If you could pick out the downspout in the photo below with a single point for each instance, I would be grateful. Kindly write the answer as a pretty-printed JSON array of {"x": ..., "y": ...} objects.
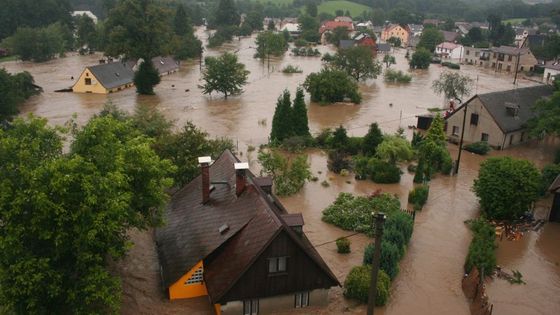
[{"x": 504, "y": 143}]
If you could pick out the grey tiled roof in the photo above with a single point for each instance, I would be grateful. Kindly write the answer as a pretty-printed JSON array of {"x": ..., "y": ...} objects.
[
  {"x": 114, "y": 74},
  {"x": 346, "y": 43},
  {"x": 497, "y": 102},
  {"x": 383, "y": 47}
]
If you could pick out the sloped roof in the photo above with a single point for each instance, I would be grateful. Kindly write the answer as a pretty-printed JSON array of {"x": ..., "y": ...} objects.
[
  {"x": 192, "y": 230},
  {"x": 346, "y": 43},
  {"x": 112, "y": 75},
  {"x": 448, "y": 45},
  {"x": 383, "y": 47},
  {"x": 331, "y": 25},
  {"x": 165, "y": 64},
  {"x": 450, "y": 36},
  {"x": 523, "y": 99},
  {"x": 510, "y": 50}
]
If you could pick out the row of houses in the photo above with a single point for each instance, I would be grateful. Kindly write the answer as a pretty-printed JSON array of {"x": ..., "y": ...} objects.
[{"x": 110, "y": 77}]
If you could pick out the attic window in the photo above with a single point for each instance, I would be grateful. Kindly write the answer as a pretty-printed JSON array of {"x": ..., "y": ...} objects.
[
  {"x": 117, "y": 74},
  {"x": 512, "y": 109},
  {"x": 162, "y": 62},
  {"x": 223, "y": 229}
]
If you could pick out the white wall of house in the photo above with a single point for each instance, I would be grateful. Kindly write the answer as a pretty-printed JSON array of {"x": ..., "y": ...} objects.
[
  {"x": 447, "y": 53},
  {"x": 549, "y": 74},
  {"x": 268, "y": 305}
]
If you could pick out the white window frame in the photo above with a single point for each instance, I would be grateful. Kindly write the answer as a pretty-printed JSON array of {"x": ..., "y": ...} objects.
[
  {"x": 455, "y": 131},
  {"x": 251, "y": 307},
  {"x": 301, "y": 299}
]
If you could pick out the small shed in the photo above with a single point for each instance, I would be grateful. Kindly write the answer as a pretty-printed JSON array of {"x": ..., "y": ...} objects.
[{"x": 555, "y": 210}]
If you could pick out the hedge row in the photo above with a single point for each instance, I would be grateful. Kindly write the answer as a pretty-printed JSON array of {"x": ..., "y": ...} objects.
[{"x": 482, "y": 249}]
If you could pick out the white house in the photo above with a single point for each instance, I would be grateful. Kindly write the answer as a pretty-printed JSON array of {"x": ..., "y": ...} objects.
[
  {"x": 447, "y": 50},
  {"x": 367, "y": 25},
  {"x": 292, "y": 28},
  {"x": 88, "y": 13},
  {"x": 550, "y": 72}
]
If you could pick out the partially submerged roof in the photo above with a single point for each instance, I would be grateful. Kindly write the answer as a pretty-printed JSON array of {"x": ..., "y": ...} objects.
[
  {"x": 194, "y": 231},
  {"x": 114, "y": 74},
  {"x": 500, "y": 104},
  {"x": 165, "y": 64}
]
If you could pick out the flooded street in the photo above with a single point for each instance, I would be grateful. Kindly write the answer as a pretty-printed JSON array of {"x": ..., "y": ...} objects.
[{"x": 429, "y": 281}]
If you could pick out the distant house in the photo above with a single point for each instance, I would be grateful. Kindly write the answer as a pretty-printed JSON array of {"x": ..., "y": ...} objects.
[
  {"x": 448, "y": 50},
  {"x": 87, "y": 13},
  {"x": 503, "y": 58},
  {"x": 112, "y": 77},
  {"x": 399, "y": 31},
  {"x": 451, "y": 37},
  {"x": 364, "y": 40},
  {"x": 465, "y": 27},
  {"x": 477, "y": 56},
  {"x": 345, "y": 19},
  {"x": 498, "y": 118},
  {"x": 416, "y": 29},
  {"x": 365, "y": 25},
  {"x": 383, "y": 48},
  {"x": 521, "y": 34},
  {"x": 228, "y": 238},
  {"x": 434, "y": 22},
  {"x": 292, "y": 28},
  {"x": 555, "y": 209},
  {"x": 551, "y": 71},
  {"x": 329, "y": 26}
]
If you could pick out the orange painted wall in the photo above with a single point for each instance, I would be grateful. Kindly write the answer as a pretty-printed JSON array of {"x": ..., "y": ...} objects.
[{"x": 180, "y": 290}]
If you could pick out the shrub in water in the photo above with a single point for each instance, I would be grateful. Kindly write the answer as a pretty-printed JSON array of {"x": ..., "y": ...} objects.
[
  {"x": 383, "y": 172},
  {"x": 419, "y": 195},
  {"x": 343, "y": 245},
  {"x": 358, "y": 281},
  {"x": 481, "y": 251},
  {"x": 481, "y": 147},
  {"x": 292, "y": 69},
  {"x": 395, "y": 76},
  {"x": 390, "y": 256}
]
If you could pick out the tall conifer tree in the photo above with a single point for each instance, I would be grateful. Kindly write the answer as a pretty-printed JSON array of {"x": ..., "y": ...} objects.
[{"x": 299, "y": 115}]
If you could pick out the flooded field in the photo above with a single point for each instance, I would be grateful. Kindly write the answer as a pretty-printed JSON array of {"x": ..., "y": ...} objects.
[{"x": 431, "y": 271}]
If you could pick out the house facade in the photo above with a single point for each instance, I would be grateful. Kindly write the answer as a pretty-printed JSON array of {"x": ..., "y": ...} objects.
[
  {"x": 401, "y": 32},
  {"x": 329, "y": 26},
  {"x": 448, "y": 50},
  {"x": 228, "y": 237},
  {"x": 503, "y": 58},
  {"x": 498, "y": 118},
  {"x": 551, "y": 71}
]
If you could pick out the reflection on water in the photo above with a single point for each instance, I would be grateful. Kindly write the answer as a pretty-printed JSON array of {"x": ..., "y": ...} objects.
[{"x": 429, "y": 281}]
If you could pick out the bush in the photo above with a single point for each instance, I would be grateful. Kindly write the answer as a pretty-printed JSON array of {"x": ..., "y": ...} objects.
[
  {"x": 419, "y": 195},
  {"x": 300, "y": 42},
  {"x": 343, "y": 245},
  {"x": 548, "y": 175},
  {"x": 451, "y": 65},
  {"x": 292, "y": 69},
  {"x": 411, "y": 168},
  {"x": 395, "y": 76},
  {"x": 358, "y": 281},
  {"x": 330, "y": 86},
  {"x": 481, "y": 251},
  {"x": 288, "y": 174},
  {"x": 338, "y": 161},
  {"x": 324, "y": 138},
  {"x": 297, "y": 143},
  {"x": 389, "y": 260},
  {"x": 353, "y": 145},
  {"x": 420, "y": 59},
  {"x": 481, "y": 147},
  {"x": 360, "y": 167},
  {"x": 383, "y": 172}
]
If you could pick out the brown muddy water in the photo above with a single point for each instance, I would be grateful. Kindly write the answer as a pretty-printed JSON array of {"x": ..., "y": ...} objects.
[{"x": 431, "y": 271}]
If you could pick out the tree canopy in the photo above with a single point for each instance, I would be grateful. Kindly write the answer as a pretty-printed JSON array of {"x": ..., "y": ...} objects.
[
  {"x": 15, "y": 89},
  {"x": 453, "y": 85},
  {"x": 430, "y": 38},
  {"x": 270, "y": 43},
  {"x": 547, "y": 116},
  {"x": 224, "y": 74},
  {"x": 420, "y": 59},
  {"x": 331, "y": 85},
  {"x": 289, "y": 121},
  {"x": 506, "y": 187},
  {"x": 358, "y": 62}
]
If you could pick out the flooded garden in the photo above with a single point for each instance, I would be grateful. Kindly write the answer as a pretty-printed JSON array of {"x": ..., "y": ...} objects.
[{"x": 430, "y": 275}]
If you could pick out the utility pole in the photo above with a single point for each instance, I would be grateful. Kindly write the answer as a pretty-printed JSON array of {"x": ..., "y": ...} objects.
[
  {"x": 461, "y": 141},
  {"x": 379, "y": 220},
  {"x": 517, "y": 66}
]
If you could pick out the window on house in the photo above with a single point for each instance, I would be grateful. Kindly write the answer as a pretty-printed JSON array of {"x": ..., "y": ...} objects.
[
  {"x": 196, "y": 278},
  {"x": 484, "y": 137},
  {"x": 522, "y": 137},
  {"x": 476, "y": 54},
  {"x": 474, "y": 119},
  {"x": 250, "y": 307},
  {"x": 455, "y": 131},
  {"x": 468, "y": 52},
  {"x": 508, "y": 68},
  {"x": 277, "y": 264},
  {"x": 87, "y": 81},
  {"x": 511, "y": 139},
  {"x": 301, "y": 299},
  {"x": 509, "y": 58}
]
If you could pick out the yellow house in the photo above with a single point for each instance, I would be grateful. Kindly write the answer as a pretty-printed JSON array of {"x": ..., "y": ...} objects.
[
  {"x": 105, "y": 78},
  {"x": 401, "y": 32}
]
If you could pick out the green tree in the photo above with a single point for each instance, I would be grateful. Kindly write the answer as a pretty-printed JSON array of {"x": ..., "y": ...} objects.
[
  {"x": 330, "y": 86},
  {"x": 15, "y": 89},
  {"x": 224, "y": 74},
  {"x": 311, "y": 8},
  {"x": 506, "y": 187},
  {"x": 70, "y": 213},
  {"x": 394, "y": 149},
  {"x": 226, "y": 14},
  {"x": 340, "y": 139},
  {"x": 389, "y": 60},
  {"x": 255, "y": 18},
  {"x": 86, "y": 33},
  {"x": 288, "y": 174},
  {"x": 436, "y": 132},
  {"x": 181, "y": 22},
  {"x": 282, "y": 127},
  {"x": 270, "y": 43},
  {"x": 547, "y": 116},
  {"x": 299, "y": 115},
  {"x": 146, "y": 78},
  {"x": 137, "y": 29},
  {"x": 371, "y": 140},
  {"x": 431, "y": 37},
  {"x": 453, "y": 85},
  {"x": 357, "y": 62},
  {"x": 309, "y": 28},
  {"x": 395, "y": 41},
  {"x": 421, "y": 59},
  {"x": 37, "y": 44},
  {"x": 338, "y": 34}
]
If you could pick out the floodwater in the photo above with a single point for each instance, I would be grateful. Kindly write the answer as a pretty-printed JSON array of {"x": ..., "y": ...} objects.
[{"x": 431, "y": 271}]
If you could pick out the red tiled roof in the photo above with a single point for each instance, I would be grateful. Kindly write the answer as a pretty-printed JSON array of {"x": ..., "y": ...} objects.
[{"x": 331, "y": 25}]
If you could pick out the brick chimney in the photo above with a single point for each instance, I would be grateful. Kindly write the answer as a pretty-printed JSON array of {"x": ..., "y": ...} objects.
[
  {"x": 204, "y": 162},
  {"x": 240, "y": 177}
]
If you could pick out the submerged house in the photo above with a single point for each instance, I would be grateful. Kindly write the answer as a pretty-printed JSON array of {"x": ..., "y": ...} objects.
[
  {"x": 498, "y": 118},
  {"x": 228, "y": 238},
  {"x": 112, "y": 77}
]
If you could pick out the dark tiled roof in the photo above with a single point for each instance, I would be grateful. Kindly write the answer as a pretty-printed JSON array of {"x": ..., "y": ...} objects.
[
  {"x": 191, "y": 233},
  {"x": 346, "y": 43},
  {"x": 510, "y": 50},
  {"x": 293, "y": 219},
  {"x": 450, "y": 36},
  {"x": 165, "y": 64},
  {"x": 114, "y": 74},
  {"x": 383, "y": 47},
  {"x": 497, "y": 103}
]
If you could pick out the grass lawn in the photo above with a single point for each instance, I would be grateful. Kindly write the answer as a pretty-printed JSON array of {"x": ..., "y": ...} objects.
[
  {"x": 9, "y": 58},
  {"x": 516, "y": 21},
  {"x": 355, "y": 9}
]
